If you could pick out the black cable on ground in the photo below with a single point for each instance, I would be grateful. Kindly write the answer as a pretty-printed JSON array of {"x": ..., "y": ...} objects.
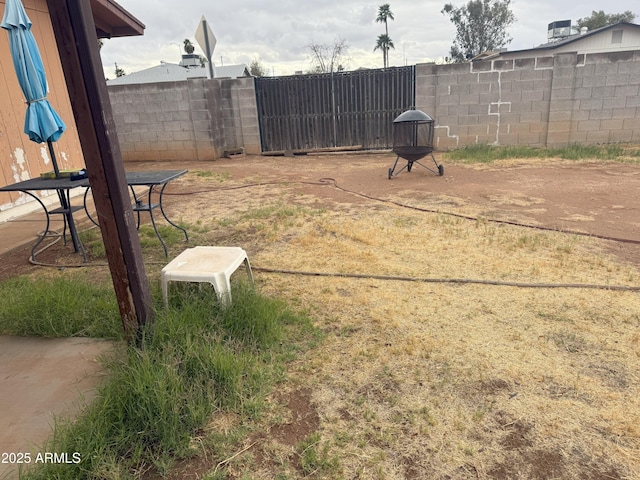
[
  {"x": 333, "y": 183},
  {"x": 328, "y": 181},
  {"x": 461, "y": 281}
]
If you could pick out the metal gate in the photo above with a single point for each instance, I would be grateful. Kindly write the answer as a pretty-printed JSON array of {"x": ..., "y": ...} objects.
[{"x": 344, "y": 109}]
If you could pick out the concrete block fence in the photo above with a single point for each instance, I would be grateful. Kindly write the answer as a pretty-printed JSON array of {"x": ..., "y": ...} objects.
[
  {"x": 197, "y": 119},
  {"x": 549, "y": 101}
]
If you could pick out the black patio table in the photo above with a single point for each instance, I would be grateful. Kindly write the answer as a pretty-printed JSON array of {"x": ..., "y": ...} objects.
[
  {"x": 62, "y": 186},
  {"x": 150, "y": 179}
]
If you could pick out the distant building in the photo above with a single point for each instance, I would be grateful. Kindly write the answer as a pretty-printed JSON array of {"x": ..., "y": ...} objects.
[
  {"x": 165, "y": 72},
  {"x": 232, "y": 71},
  {"x": 171, "y": 72},
  {"x": 619, "y": 37}
]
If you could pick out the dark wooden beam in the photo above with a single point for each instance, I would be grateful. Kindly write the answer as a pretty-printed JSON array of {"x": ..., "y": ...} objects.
[
  {"x": 115, "y": 19},
  {"x": 75, "y": 34}
]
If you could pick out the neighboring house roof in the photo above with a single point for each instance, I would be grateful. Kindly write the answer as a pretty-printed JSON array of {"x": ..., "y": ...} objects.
[
  {"x": 232, "y": 71},
  {"x": 170, "y": 72},
  {"x": 612, "y": 38},
  {"x": 114, "y": 21},
  {"x": 165, "y": 72}
]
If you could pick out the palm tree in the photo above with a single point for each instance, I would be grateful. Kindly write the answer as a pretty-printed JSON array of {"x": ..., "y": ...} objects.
[
  {"x": 384, "y": 14},
  {"x": 384, "y": 43}
]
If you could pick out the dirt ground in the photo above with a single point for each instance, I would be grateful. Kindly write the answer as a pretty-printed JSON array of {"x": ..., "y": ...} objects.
[
  {"x": 427, "y": 380},
  {"x": 597, "y": 198},
  {"x": 590, "y": 197}
]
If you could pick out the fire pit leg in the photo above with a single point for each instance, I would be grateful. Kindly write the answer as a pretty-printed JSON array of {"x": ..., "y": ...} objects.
[
  {"x": 439, "y": 168},
  {"x": 391, "y": 170}
]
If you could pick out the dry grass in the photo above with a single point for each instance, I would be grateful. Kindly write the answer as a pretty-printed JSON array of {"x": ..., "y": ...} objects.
[{"x": 442, "y": 381}]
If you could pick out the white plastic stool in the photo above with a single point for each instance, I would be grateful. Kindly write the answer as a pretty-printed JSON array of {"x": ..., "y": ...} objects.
[{"x": 206, "y": 264}]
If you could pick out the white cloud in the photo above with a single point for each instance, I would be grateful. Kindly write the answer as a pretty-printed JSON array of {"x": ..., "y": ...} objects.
[{"x": 278, "y": 32}]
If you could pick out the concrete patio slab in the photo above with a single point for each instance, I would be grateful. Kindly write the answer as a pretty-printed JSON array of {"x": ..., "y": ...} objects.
[{"x": 40, "y": 379}]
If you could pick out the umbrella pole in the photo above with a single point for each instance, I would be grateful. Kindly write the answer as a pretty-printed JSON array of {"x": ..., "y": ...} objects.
[
  {"x": 67, "y": 214},
  {"x": 65, "y": 203},
  {"x": 53, "y": 158}
]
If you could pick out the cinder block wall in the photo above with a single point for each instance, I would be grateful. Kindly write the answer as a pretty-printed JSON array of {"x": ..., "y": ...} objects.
[
  {"x": 240, "y": 114},
  {"x": 155, "y": 121},
  {"x": 548, "y": 101},
  {"x": 197, "y": 119},
  {"x": 606, "y": 98},
  {"x": 545, "y": 101}
]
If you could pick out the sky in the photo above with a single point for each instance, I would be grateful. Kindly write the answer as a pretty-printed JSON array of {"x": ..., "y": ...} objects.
[{"x": 278, "y": 33}]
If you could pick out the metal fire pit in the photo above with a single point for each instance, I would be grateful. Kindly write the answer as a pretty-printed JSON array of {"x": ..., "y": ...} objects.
[{"x": 413, "y": 140}]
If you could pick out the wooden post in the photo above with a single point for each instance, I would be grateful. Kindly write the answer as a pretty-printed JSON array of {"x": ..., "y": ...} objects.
[{"x": 77, "y": 42}]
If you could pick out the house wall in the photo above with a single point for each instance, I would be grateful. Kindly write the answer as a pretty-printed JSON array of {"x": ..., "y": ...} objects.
[
  {"x": 544, "y": 101},
  {"x": 599, "y": 42},
  {"x": 20, "y": 158},
  {"x": 197, "y": 119}
]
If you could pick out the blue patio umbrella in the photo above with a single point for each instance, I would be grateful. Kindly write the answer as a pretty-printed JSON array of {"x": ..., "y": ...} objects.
[{"x": 42, "y": 123}]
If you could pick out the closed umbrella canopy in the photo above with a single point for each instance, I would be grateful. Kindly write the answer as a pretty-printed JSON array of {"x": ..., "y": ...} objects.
[{"x": 42, "y": 123}]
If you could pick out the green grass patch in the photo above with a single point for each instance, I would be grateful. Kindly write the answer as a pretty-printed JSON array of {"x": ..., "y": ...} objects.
[
  {"x": 315, "y": 459},
  {"x": 170, "y": 235},
  {"x": 195, "y": 359},
  {"x": 217, "y": 176},
  {"x": 94, "y": 246},
  {"x": 585, "y": 152},
  {"x": 489, "y": 154},
  {"x": 271, "y": 218},
  {"x": 278, "y": 211},
  {"x": 92, "y": 242},
  {"x": 59, "y": 306}
]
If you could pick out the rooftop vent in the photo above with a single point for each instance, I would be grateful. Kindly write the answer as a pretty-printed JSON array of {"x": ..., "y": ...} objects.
[
  {"x": 559, "y": 30},
  {"x": 190, "y": 60}
]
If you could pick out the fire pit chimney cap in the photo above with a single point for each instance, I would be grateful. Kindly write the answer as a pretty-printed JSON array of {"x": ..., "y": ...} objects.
[{"x": 413, "y": 115}]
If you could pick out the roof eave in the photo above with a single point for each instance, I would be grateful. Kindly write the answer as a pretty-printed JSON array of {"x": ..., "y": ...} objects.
[{"x": 114, "y": 21}]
